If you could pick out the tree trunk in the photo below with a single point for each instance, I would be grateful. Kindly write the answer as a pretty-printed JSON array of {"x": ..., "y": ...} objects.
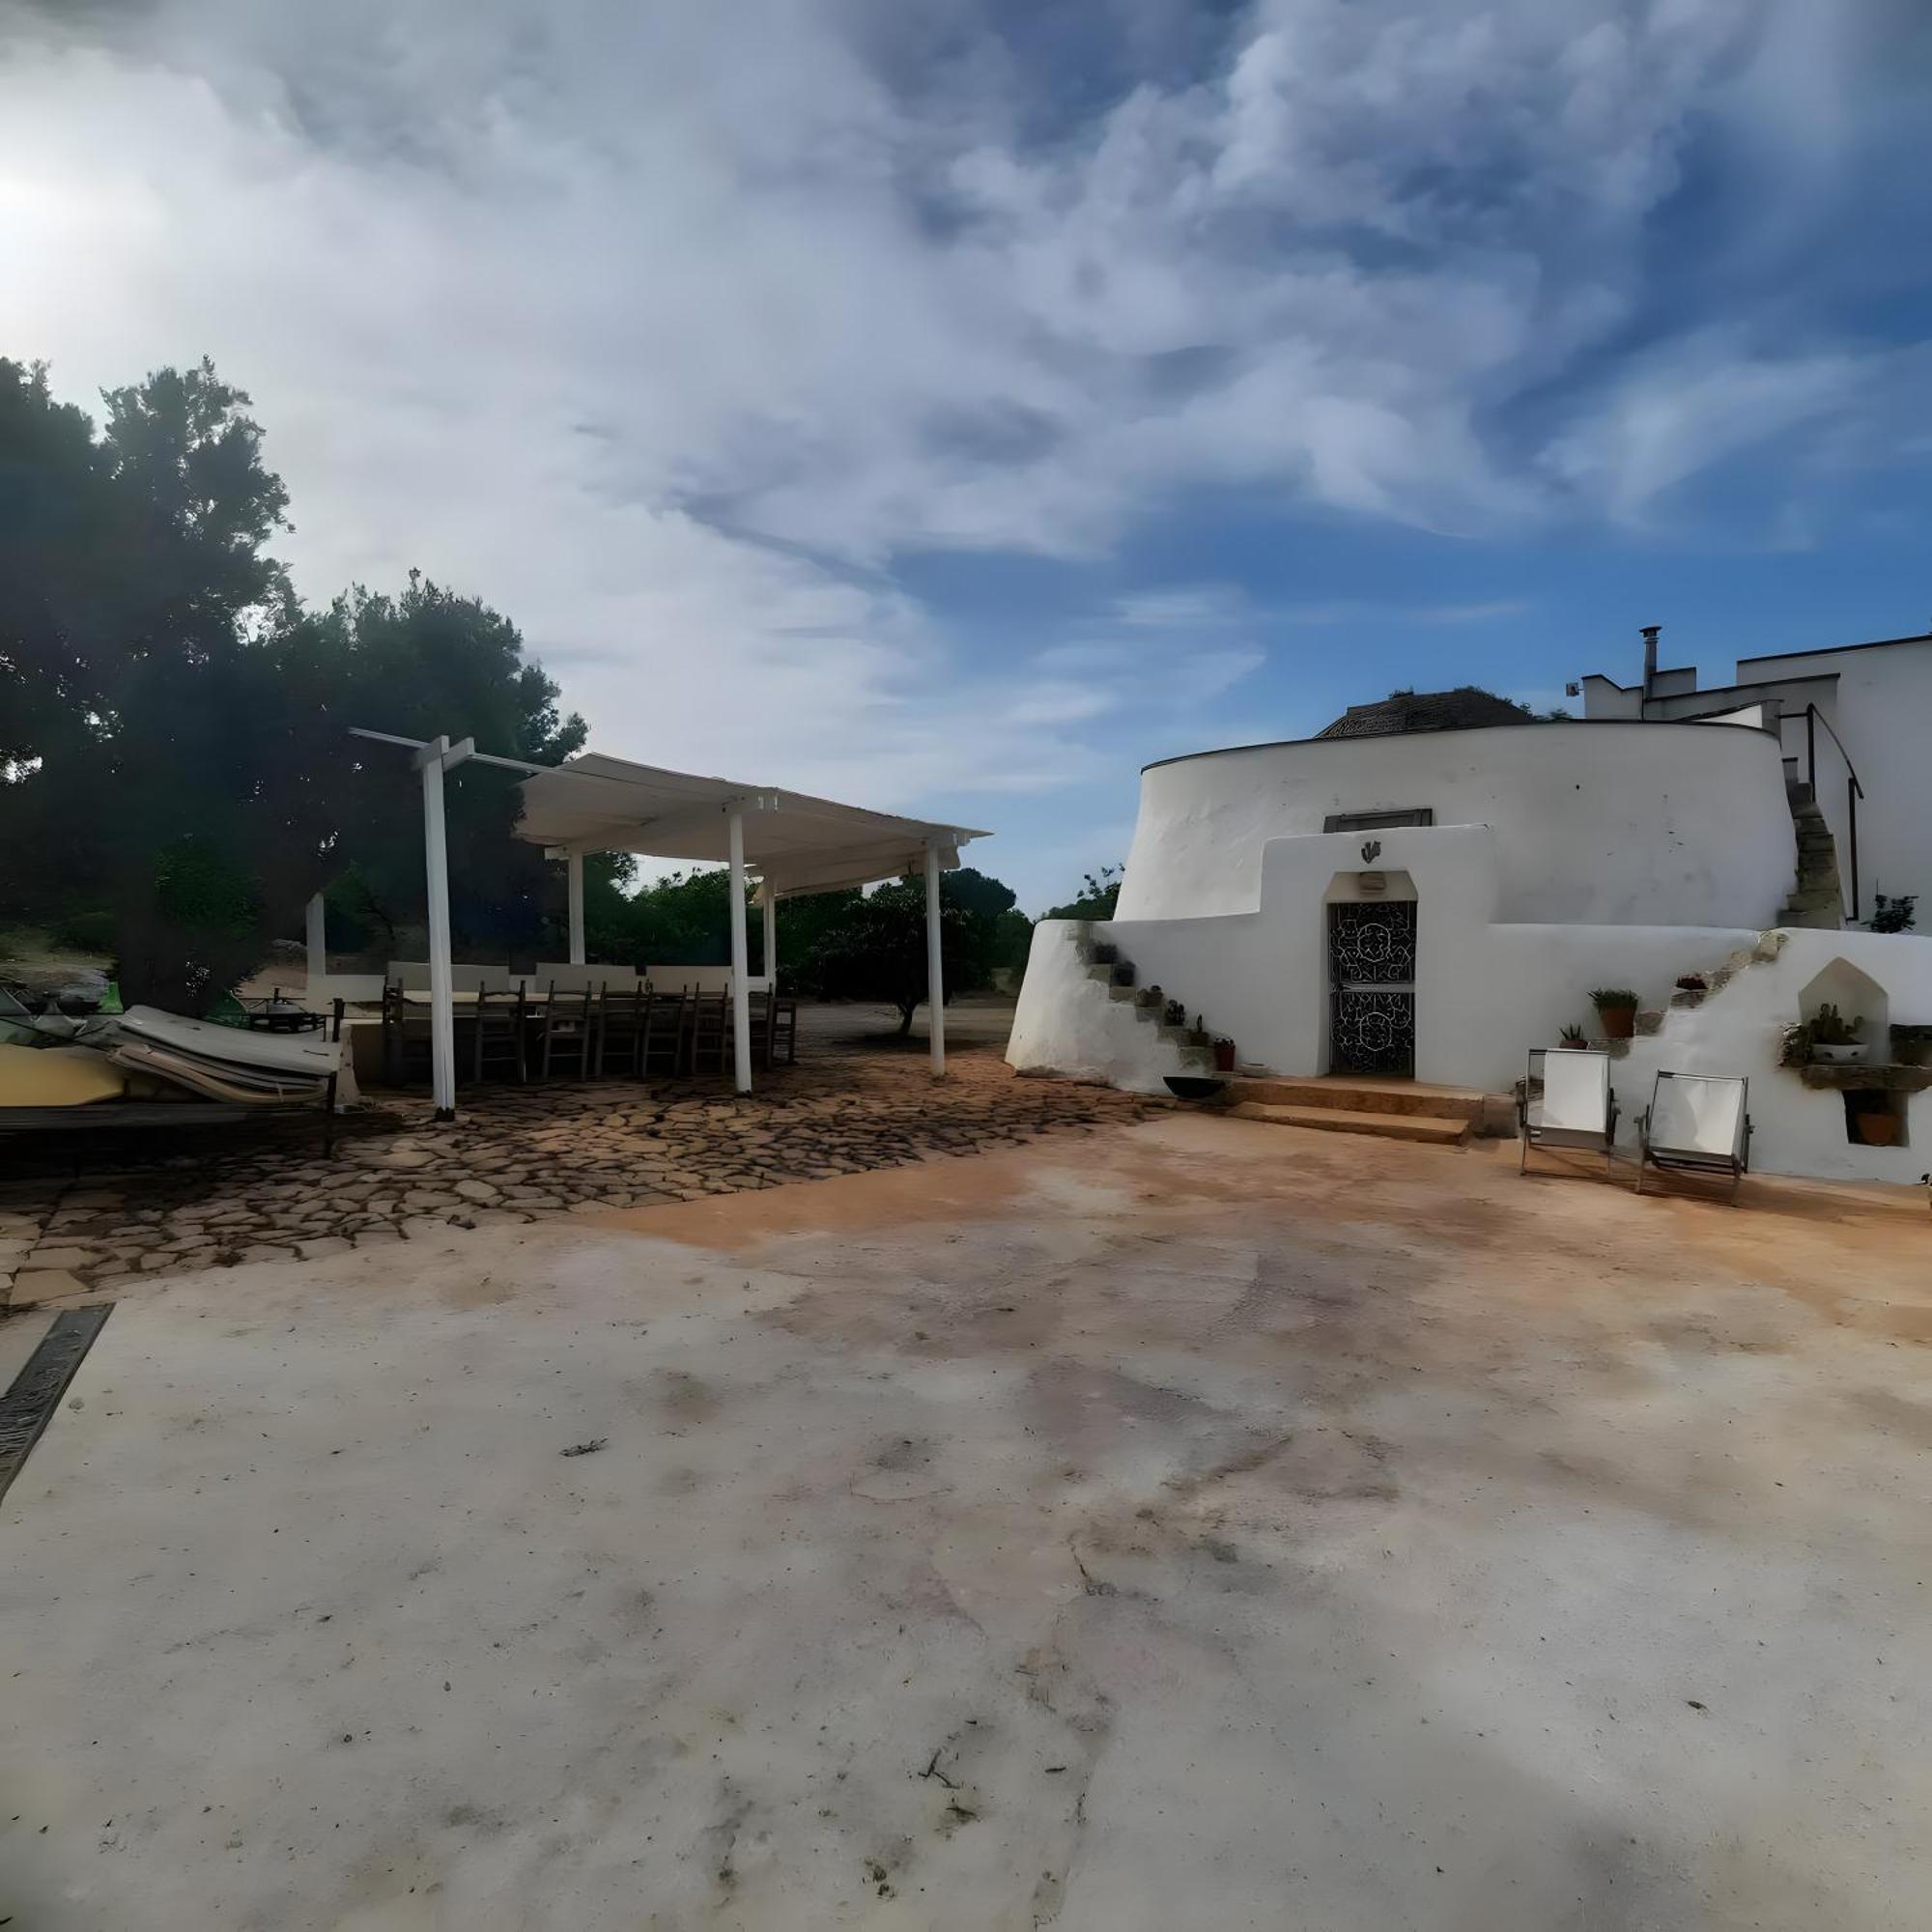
[{"x": 906, "y": 1011}]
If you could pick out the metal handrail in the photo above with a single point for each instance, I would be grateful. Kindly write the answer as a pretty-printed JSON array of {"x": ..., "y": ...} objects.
[{"x": 1854, "y": 790}]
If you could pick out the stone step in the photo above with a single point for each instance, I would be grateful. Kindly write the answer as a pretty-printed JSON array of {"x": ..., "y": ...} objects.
[
  {"x": 1339, "y": 1094},
  {"x": 1435, "y": 1129}
]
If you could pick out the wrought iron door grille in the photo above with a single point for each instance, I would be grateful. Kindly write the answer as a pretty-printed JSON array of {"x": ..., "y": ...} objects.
[{"x": 1371, "y": 970}]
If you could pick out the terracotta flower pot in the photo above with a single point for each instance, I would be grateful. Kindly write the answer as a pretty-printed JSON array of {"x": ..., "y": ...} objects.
[
  {"x": 1224, "y": 1056},
  {"x": 1619, "y": 1022},
  {"x": 1878, "y": 1129}
]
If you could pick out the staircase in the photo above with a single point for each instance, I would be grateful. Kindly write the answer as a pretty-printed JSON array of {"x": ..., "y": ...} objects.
[
  {"x": 1396, "y": 1110},
  {"x": 1817, "y": 900},
  {"x": 1147, "y": 1003}
]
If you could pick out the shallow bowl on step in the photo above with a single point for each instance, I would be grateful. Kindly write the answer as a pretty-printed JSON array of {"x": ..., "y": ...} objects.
[{"x": 1193, "y": 1086}]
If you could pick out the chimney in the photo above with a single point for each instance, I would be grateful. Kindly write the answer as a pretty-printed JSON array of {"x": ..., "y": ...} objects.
[{"x": 1650, "y": 632}]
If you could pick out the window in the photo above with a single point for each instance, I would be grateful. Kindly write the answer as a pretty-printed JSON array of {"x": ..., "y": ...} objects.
[{"x": 1374, "y": 821}]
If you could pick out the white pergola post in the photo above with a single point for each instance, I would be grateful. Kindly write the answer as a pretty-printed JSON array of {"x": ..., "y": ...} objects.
[
  {"x": 317, "y": 935},
  {"x": 432, "y": 759},
  {"x": 935, "y": 985},
  {"x": 741, "y": 994},
  {"x": 574, "y": 871},
  {"x": 768, "y": 905}
]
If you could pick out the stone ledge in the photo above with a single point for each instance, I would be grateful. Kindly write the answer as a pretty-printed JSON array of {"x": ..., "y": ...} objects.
[{"x": 1870, "y": 1076}]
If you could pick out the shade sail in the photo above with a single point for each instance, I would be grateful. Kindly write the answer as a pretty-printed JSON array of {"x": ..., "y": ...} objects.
[{"x": 795, "y": 842}]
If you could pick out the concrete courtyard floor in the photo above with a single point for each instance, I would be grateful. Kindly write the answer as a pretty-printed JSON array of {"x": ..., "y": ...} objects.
[{"x": 1187, "y": 1524}]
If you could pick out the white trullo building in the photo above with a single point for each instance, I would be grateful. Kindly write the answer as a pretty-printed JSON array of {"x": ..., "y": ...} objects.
[{"x": 1435, "y": 884}]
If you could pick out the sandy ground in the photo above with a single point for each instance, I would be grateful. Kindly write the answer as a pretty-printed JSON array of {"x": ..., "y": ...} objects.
[{"x": 1198, "y": 1524}]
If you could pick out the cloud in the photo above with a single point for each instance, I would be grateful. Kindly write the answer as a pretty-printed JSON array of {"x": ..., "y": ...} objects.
[
  {"x": 1195, "y": 607},
  {"x": 675, "y": 331},
  {"x": 1370, "y": 610},
  {"x": 1695, "y": 408}
]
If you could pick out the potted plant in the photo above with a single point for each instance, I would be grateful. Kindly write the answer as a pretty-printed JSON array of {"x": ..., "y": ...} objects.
[
  {"x": 1571, "y": 1036},
  {"x": 1833, "y": 1037},
  {"x": 1893, "y": 915},
  {"x": 1224, "y": 1056},
  {"x": 1617, "y": 1007}
]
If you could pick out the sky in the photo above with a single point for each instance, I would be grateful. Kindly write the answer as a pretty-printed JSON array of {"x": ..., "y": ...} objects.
[{"x": 953, "y": 407}]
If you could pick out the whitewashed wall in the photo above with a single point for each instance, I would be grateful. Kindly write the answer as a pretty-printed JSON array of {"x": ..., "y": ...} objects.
[
  {"x": 1882, "y": 708},
  {"x": 1486, "y": 991},
  {"x": 1606, "y": 824},
  {"x": 1067, "y": 1022}
]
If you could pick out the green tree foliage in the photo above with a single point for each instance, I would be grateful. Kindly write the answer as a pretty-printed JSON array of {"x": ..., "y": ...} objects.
[
  {"x": 1100, "y": 894},
  {"x": 173, "y": 727},
  {"x": 147, "y": 720},
  {"x": 685, "y": 919},
  {"x": 428, "y": 662},
  {"x": 878, "y": 951},
  {"x": 874, "y": 947},
  {"x": 997, "y": 934}
]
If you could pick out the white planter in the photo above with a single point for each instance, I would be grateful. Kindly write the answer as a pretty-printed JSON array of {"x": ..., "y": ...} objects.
[{"x": 1836, "y": 1056}]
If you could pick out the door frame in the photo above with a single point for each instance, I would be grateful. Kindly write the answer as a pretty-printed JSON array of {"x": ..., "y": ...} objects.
[{"x": 1350, "y": 889}]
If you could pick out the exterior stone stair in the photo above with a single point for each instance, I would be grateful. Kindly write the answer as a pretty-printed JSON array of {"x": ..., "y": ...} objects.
[
  {"x": 1761, "y": 951},
  {"x": 1391, "y": 1110},
  {"x": 1103, "y": 963},
  {"x": 1817, "y": 899}
]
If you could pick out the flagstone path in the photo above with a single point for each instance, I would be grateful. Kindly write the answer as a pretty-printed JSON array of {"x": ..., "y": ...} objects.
[{"x": 514, "y": 1154}]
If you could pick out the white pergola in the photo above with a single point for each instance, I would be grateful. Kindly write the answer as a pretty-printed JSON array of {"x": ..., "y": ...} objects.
[{"x": 795, "y": 843}]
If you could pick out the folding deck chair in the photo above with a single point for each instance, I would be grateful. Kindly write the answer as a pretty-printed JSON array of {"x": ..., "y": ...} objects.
[
  {"x": 1696, "y": 1122},
  {"x": 1566, "y": 1100}
]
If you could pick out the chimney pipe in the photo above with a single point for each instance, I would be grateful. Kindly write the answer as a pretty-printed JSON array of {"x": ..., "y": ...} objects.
[{"x": 1650, "y": 632}]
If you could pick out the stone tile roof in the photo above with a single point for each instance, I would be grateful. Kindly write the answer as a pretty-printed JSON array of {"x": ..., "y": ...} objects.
[{"x": 1455, "y": 710}]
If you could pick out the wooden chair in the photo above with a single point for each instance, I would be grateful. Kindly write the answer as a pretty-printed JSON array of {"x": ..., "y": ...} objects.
[
  {"x": 620, "y": 1028},
  {"x": 662, "y": 1039},
  {"x": 499, "y": 1040},
  {"x": 567, "y": 1032},
  {"x": 778, "y": 1029},
  {"x": 710, "y": 1033},
  {"x": 406, "y": 1036}
]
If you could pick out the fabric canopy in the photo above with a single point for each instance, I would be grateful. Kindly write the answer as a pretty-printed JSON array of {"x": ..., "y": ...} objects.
[{"x": 794, "y": 842}]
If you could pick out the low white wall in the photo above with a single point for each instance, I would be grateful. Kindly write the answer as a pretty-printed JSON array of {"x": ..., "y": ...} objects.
[
  {"x": 1604, "y": 824},
  {"x": 1067, "y": 1022},
  {"x": 351, "y": 988},
  {"x": 1795, "y": 1129}
]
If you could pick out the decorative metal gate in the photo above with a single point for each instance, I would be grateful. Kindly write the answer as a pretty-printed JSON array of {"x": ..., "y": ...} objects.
[{"x": 1372, "y": 978}]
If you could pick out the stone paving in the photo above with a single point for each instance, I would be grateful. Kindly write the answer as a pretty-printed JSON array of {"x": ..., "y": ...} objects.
[{"x": 513, "y": 1154}]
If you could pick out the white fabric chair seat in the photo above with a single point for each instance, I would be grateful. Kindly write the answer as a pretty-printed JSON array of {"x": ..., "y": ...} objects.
[
  {"x": 1698, "y": 1122},
  {"x": 1565, "y": 1102}
]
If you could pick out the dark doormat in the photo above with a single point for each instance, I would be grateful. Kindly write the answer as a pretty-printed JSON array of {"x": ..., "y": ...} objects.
[{"x": 28, "y": 1406}]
